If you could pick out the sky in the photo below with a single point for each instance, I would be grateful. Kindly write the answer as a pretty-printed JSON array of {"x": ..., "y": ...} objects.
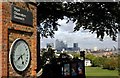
[{"x": 85, "y": 39}]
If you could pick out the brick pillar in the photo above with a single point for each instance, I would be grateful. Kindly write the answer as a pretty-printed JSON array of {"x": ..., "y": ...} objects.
[
  {"x": 0, "y": 39},
  {"x": 10, "y": 31}
]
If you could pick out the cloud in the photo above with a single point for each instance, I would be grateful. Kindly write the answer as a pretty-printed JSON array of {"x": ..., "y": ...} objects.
[
  {"x": 84, "y": 38},
  {"x": 66, "y": 27}
]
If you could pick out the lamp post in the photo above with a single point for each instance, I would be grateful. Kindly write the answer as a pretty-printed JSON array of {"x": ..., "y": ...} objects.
[
  {"x": 38, "y": 50},
  {"x": 82, "y": 54}
]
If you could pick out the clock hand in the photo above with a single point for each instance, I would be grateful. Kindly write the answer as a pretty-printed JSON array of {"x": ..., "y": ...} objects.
[
  {"x": 18, "y": 58},
  {"x": 22, "y": 58},
  {"x": 23, "y": 54}
]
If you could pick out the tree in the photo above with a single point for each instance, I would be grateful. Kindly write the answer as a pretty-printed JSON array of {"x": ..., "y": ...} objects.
[
  {"x": 100, "y": 18},
  {"x": 98, "y": 61},
  {"x": 48, "y": 56},
  {"x": 111, "y": 63},
  {"x": 91, "y": 57}
]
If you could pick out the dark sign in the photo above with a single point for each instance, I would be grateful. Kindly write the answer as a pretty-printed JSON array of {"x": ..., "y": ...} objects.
[{"x": 21, "y": 16}]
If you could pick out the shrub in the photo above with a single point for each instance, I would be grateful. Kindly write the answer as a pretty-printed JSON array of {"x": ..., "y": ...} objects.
[
  {"x": 110, "y": 63},
  {"x": 98, "y": 61}
]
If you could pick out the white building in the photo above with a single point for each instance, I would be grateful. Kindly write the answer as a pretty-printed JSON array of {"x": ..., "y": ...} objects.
[{"x": 88, "y": 62}]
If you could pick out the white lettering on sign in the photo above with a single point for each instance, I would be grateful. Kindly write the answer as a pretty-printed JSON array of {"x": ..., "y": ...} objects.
[
  {"x": 16, "y": 9},
  {"x": 18, "y": 14},
  {"x": 21, "y": 16},
  {"x": 17, "y": 17}
]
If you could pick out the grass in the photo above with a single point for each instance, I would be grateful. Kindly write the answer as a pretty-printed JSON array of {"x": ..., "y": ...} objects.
[{"x": 97, "y": 72}]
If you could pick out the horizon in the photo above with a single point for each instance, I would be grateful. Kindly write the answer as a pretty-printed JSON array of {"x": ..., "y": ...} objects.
[{"x": 84, "y": 38}]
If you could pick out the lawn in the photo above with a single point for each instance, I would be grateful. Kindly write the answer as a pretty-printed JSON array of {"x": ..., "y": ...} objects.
[{"x": 97, "y": 72}]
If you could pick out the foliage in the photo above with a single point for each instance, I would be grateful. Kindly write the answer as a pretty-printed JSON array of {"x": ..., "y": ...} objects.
[
  {"x": 119, "y": 62},
  {"x": 100, "y": 18},
  {"x": 75, "y": 54},
  {"x": 64, "y": 55},
  {"x": 48, "y": 15},
  {"x": 47, "y": 56},
  {"x": 98, "y": 62},
  {"x": 110, "y": 63},
  {"x": 90, "y": 56}
]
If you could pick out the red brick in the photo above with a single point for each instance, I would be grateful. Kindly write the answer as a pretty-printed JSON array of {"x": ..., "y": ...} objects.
[{"x": 7, "y": 36}]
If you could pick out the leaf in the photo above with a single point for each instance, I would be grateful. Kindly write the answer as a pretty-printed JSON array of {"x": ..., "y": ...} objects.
[{"x": 90, "y": 16}]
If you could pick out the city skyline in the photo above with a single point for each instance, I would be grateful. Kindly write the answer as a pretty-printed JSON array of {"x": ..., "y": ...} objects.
[
  {"x": 60, "y": 46},
  {"x": 72, "y": 45},
  {"x": 84, "y": 38}
]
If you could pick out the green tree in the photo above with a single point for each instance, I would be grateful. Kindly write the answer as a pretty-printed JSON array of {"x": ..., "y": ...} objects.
[
  {"x": 98, "y": 61},
  {"x": 90, "y": 57},
  {"x": 48, "y": 56},
  {"x": 110, "y": 63},
  {"x": 99, "y": 17}
]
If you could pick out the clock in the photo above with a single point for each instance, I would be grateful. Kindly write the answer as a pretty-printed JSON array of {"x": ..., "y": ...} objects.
[{"x": 19, "y": 55}]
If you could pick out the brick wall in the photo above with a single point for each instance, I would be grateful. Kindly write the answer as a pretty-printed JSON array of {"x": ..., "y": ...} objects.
[
  {"x": 0, "y": 39},
  {"x": 11, "y": 31}
]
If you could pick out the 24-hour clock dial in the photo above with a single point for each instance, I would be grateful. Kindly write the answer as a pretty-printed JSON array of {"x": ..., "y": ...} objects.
[{"x": 20, "y": 55}]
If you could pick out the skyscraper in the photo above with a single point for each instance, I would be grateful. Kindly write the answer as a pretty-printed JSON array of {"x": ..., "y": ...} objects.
[
  {"x": 75, "y": 45},
  {"x": 60, "y": 45}
]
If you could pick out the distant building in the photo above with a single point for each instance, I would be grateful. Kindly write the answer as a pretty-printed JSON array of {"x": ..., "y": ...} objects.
[
  {"x": 74, "y": 48},
  {"x": 88, "y": 62},
  {"x": 75, "y": 45},
  {"x": 95, "y": 48},
  {"x": 60, "y": 45}
]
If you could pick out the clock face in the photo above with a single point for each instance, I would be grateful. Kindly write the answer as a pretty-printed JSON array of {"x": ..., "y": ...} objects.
[{"x": 20, "y": 55}]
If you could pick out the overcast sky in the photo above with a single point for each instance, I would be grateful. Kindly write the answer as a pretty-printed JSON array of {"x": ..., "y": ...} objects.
[{"x": 84, "y": 38}]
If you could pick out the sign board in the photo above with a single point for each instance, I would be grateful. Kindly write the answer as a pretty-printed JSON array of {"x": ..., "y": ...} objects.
[{"x": 21, "y": 16}]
